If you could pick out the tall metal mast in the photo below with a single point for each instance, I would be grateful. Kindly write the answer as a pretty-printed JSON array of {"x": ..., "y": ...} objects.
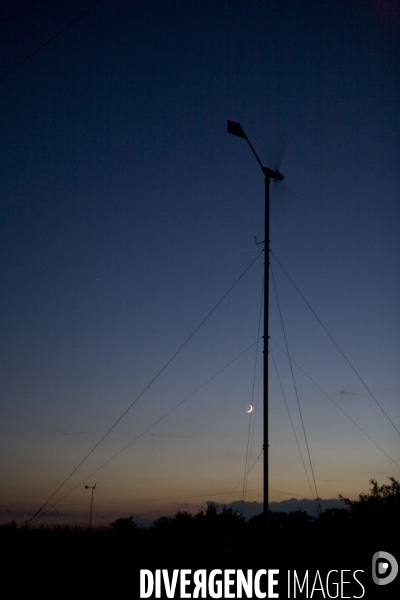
[{"x": 236, "y": 129}]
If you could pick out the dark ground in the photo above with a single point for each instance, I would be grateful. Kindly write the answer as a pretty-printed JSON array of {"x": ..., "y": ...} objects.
[{"x": 84, "y": 563}]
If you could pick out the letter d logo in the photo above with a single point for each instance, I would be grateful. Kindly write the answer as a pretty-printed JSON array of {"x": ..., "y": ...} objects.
[{"x": 382, "y": 563}]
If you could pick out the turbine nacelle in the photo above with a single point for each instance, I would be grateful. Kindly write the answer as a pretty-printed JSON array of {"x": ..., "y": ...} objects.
[{"x": 274, "y": 175}]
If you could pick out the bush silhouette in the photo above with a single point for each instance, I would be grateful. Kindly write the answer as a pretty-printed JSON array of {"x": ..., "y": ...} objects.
[
  {"x": 381, "y": 502},
  {"x": 377, "y": 513},
  {"x": 126, "y": 525},
  {"x": 379, "y": 496}
]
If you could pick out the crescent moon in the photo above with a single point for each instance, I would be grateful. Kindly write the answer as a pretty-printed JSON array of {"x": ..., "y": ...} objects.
[{"x": 250, "y": 409}]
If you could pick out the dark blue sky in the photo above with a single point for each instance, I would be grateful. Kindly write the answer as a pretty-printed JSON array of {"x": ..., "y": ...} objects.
[{"x": 127, "y": 212}]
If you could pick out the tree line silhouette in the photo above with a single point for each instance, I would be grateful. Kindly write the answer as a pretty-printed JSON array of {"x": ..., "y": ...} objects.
[{"x": 109, "y": 559}]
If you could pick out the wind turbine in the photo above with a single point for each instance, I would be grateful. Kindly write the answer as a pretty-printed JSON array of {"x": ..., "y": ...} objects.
[
  {"x": 270, "y": 175},
  {"x": 91, "y": 502}
]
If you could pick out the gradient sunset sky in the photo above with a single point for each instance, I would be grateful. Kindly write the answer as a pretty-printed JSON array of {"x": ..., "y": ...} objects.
[{"x": 127, "y": 212}]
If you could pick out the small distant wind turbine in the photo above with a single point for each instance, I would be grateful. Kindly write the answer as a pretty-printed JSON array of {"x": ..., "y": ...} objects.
[{"x": 91, "y": 502}]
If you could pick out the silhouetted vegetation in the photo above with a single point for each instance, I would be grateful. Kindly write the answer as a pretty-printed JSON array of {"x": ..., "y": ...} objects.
[
  {"x": 382, "y": 501},
  {"x": 109, "y": 559},
  {"x": 208, "y": 520},
  {"x": 124, "y": 525}
]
